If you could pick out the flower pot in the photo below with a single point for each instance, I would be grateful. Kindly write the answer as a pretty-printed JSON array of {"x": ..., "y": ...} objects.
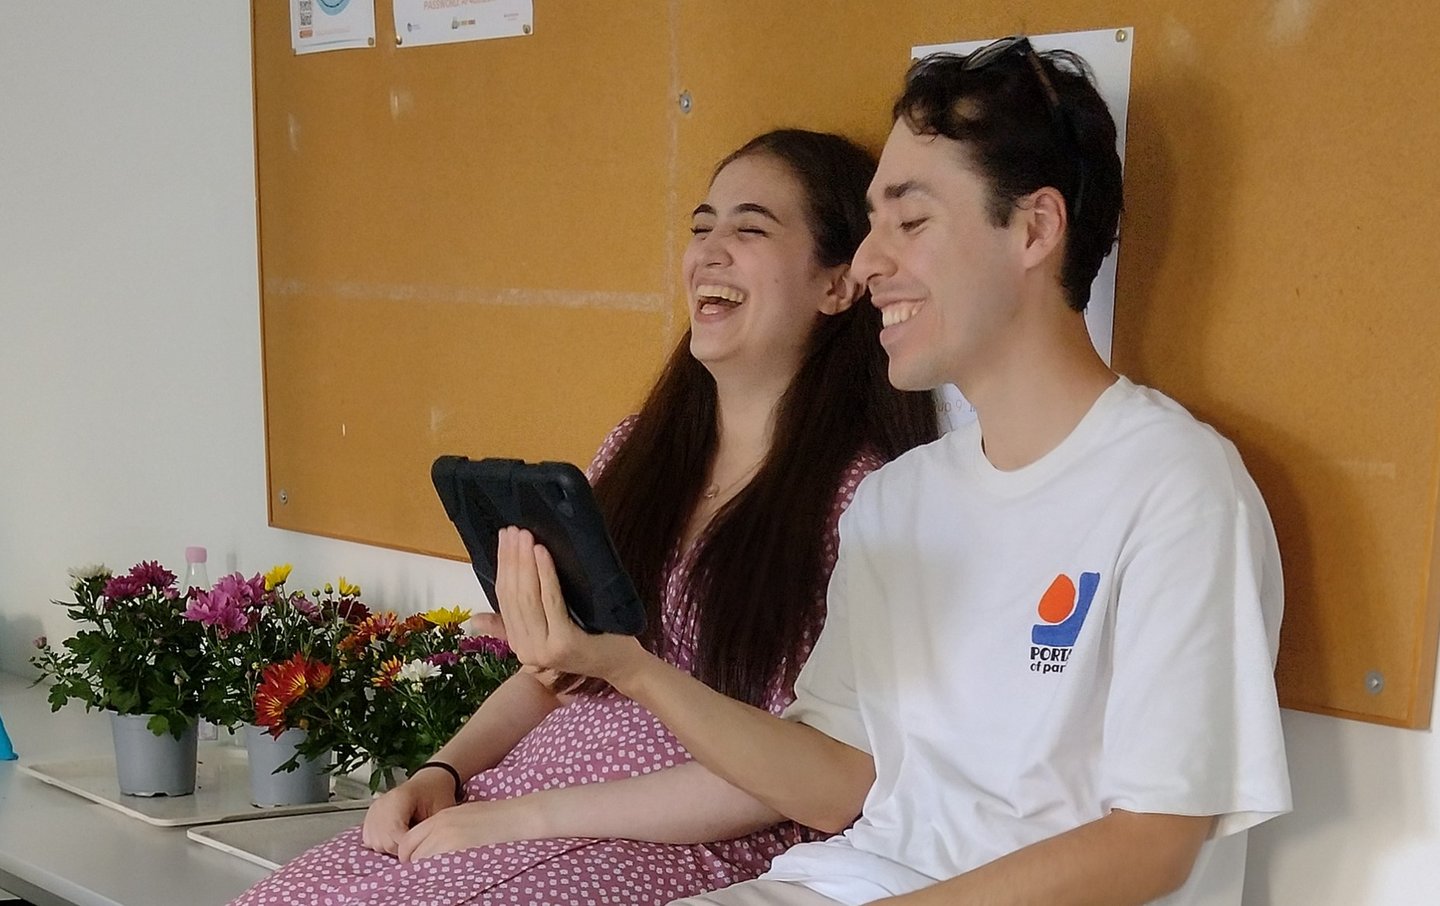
[
  {"x": 307, "y": 783},
  {"x": 390, "y": 776},
  {"x": 150, "y": 765}
]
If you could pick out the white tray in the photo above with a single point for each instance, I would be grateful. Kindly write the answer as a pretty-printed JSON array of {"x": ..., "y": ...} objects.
[
  {"x": 222, "y": 790},
  {"x": 271, "y": 842}
]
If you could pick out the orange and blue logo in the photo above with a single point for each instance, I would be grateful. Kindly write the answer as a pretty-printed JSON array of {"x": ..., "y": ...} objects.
[{"x": 1062, "y": 612}]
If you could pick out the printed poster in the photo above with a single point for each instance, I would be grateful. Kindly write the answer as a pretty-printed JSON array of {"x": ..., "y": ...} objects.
[
  {"x": 317, "y": 25},
  {"x": 419, "y": 23},
  {"x": 1108, "y": 52}
]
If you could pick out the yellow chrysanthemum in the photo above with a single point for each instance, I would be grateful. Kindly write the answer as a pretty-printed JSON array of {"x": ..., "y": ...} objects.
[
  {"x": 277, "y": 576},
  {"x": 348, "y": 590},
  {"x": 447, "y": 617}
]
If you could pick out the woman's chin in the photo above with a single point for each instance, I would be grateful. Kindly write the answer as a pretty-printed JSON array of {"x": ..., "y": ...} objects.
[{"x": 709, "y": 350}]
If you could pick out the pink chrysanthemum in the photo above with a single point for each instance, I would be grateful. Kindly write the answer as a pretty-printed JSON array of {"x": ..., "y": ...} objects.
[
  {"x": 221, "y": 610},
  {"x": 123, "y": 588},
  {"x": 151, "y": 573},
  {"x": 484, "y": 644},
  {"x": 245, "y": 592}
]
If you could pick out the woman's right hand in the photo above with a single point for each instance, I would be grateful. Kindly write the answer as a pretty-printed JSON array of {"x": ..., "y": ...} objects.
[{"x": 391, "y": 816}]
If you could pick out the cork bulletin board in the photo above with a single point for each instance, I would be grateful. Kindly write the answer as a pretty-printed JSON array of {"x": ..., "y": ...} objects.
[{"x": 474, "y": 248}]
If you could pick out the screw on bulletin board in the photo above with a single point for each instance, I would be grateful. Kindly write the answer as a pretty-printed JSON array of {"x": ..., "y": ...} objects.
[{"x": 7, "y": 751}]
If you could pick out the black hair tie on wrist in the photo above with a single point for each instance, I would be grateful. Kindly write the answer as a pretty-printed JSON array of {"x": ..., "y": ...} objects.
[{"x": 459, "y": 783}]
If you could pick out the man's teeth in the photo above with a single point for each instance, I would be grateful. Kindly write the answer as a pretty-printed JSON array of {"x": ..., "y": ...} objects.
[
  {"x": 898, "y": 313},
  {"x": 714, "y": 292}
]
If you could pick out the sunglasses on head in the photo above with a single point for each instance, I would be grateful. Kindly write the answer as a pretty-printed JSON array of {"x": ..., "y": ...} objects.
[{"x": 1064, "y": 126}]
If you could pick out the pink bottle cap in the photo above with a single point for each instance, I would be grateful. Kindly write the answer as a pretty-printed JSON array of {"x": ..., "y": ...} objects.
[{"x": 195, "y": 555}]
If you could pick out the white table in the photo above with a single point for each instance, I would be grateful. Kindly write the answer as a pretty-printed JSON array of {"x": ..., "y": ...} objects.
[{"x": 57, "y": 849}]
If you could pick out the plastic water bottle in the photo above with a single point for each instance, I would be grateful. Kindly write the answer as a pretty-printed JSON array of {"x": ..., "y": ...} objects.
[
  {"x": 198, "y": 578},
  {"x": 195, "y": 575}
]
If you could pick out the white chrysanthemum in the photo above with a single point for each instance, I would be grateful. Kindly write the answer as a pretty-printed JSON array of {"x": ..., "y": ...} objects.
[
  {"x": 417, "y": 671},
  {"x": 89, "y": 571}
]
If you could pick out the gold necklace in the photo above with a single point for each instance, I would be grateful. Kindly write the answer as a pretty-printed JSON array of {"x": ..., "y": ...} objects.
[{"x": 712, "y": 491}]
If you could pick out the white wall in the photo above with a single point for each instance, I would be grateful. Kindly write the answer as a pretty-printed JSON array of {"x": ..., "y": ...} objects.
[
  {"x": 131, "y": 413},
  {"x": 131, "y": 419}
]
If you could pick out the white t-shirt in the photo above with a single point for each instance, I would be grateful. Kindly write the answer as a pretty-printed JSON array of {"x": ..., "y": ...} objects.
[{"x": 1024, "y": 651}]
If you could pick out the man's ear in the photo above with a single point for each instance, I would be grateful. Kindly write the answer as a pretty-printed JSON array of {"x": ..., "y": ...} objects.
[
  {"x": 1045, "y": 218},
  {"x": 842, "y": 292}
]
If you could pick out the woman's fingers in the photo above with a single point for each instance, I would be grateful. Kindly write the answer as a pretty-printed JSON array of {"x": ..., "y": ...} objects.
[
  {"x": 526, "y": 626},
  {"x": 547, "y": 588},
  {"x": 491, "y": 624},
  {"x": 412, "y": 839}
]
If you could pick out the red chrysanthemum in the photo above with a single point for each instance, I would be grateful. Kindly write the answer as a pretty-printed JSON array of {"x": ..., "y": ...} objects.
[
  {"x": 411, "y": 624},
  {"x": 270, "y": 711},
  {"x": 378, "y": 624},
  {"x": 283, "y": 684}
]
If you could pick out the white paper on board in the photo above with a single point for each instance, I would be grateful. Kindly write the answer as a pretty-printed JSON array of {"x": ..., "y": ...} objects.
[
  {"x": 419, "y": 23},
  {"x": 1108, "y": 51},
  {"x": 318, "y": 25}
]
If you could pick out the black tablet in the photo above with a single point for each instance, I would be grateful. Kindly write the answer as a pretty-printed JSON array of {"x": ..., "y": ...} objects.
[{"x": 553, "y": 501}]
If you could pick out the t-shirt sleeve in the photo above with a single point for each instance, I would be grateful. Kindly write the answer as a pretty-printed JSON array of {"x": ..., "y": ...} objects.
[
  {"x": 781, "y": 692},
  {"x": 825, "y": 689},
  {"x": 1192, "y": 726}
]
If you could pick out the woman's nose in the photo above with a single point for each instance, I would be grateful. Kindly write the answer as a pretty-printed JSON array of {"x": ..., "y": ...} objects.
[{"x": 715, "y": 249}]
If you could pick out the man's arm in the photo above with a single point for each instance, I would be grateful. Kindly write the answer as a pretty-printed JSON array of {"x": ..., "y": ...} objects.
[
  {"x": 790, "y": 767},
  {"x": 1123, "y": 858}
]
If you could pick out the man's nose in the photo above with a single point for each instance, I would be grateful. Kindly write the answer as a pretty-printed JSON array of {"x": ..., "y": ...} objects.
[{"x": 871, "y": 261}]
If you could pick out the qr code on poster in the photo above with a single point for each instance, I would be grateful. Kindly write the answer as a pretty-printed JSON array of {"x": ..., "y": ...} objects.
[{"x": 307, "y": 13}]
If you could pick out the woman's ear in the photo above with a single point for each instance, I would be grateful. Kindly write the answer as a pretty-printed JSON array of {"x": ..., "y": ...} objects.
[{"x": 841, "y": 292}]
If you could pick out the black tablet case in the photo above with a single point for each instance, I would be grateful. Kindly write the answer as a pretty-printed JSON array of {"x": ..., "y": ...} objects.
[{"x": 553, "y": 501}]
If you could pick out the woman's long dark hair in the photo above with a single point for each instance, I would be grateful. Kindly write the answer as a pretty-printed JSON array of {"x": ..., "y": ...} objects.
[{"x": 761, "y": 559}]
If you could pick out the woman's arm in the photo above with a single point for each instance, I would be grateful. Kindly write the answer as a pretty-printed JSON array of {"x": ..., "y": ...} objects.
[
  {"x": 795, "y": 769},
  {"x": 683, "y": 804},
  {"x": 510, "y": 712}
]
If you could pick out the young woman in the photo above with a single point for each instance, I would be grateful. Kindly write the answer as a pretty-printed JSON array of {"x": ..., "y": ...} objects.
[{"x": 723, "y": 496}]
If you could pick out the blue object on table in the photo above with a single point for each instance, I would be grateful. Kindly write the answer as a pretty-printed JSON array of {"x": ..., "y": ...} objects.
[{"x": 7, "y": 751}]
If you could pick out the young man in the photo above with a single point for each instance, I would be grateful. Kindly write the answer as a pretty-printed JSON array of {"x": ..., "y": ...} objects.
[{"x": 1046, "y": 673}]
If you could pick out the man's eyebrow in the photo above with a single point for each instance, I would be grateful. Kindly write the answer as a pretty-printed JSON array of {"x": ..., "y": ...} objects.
[
  {"x": 748, "y": 207},
  {"x": 908, "y": 187},
  {"x": 898, "y": 190}
]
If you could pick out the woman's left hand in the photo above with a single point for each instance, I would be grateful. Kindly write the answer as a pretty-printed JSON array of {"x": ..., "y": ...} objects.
[
  {"x": 537, "y": 623},
  {"x": 471, "y": 824}
]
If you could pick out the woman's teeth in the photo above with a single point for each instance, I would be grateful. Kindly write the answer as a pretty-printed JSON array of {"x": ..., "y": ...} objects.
[{"x": 713, "y": 297}]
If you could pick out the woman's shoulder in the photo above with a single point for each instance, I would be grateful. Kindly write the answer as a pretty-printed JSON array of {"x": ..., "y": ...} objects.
[
  {"x": 611, "y": 445},
  {"x": 860, "y": 466}
]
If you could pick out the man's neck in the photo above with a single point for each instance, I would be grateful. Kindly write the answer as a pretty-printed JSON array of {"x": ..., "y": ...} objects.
[{"x": 1039, "y": 391}]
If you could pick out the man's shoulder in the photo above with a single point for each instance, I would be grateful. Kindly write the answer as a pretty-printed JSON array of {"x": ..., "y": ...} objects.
[
  {"x": 1157, "y": 442},
  {"x": 916, "y": 467}
]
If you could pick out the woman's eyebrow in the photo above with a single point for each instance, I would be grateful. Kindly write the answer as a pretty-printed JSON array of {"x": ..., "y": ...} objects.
[
  {"x": 748, "y": 207},
  {"x": 752, "y": 208}
]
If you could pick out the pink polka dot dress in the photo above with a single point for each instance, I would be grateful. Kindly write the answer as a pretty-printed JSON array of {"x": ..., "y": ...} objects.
[{"x": 592, "y": 739}]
